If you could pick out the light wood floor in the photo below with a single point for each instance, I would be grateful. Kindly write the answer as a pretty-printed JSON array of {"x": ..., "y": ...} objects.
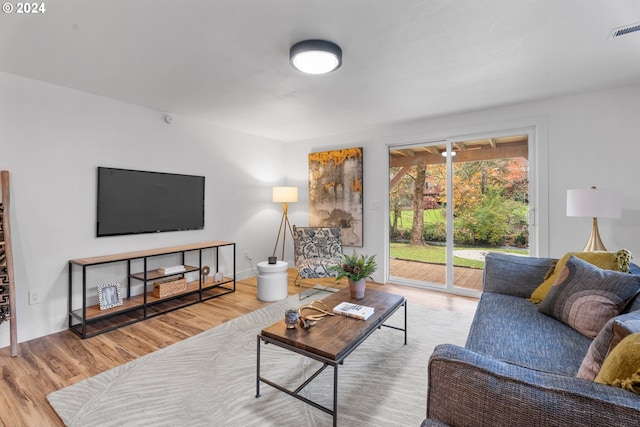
[{"x": 55, "y": 361}]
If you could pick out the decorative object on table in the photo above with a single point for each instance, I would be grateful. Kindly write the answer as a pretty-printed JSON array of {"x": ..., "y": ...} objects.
[
  {"x": 272, "y": 260},
  {"x": 354, "y": 310},
  {"x": 335, "y": 192},
  {"x": 168, "y": 287},
  {"x": 291, "y": 318},
  {"x": 284, "y": 196},
  {"x": 205, "y": 273},
  {"x": 218, "y": 276},
  {"x": 357, "y": 268},
  {"x": 109, "y": 295},
  {"x": 310, "y": 313},
  {"x": 594, "y": 203}
]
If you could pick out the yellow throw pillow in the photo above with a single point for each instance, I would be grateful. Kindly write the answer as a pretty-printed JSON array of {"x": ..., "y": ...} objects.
[
  {"x": 617, "y": 261},
  {"x": 632, "y": 383},
  {"x": 622, "y": 363}
]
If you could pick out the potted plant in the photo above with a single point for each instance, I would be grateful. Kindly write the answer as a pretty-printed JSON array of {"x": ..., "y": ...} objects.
[{"x": 356, "y": 268}]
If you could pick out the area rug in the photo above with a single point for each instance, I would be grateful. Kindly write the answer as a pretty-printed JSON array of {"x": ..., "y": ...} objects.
[{"x": 210, "y": 379}]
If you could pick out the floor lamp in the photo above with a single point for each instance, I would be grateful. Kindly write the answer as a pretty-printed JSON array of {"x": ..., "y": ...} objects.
[
  {"x": 284, "y": 195},
  {"x": 594, "y": 203}
]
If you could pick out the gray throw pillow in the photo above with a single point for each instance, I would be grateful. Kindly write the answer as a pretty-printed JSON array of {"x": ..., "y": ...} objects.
[
  {"x": 585, "y": 297},
  {"x": 609, "y": 336}
]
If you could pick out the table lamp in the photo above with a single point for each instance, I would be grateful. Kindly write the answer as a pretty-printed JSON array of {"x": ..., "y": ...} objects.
[
  {"x": 594, "y": 203},
  {"x": 284, "y": 195}
]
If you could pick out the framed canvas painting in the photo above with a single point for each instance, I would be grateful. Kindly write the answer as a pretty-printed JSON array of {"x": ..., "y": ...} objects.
[{"x": 335, "y": 192}]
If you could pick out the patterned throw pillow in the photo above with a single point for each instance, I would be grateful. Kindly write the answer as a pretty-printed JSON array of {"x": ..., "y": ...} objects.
[
  {"x": 609, "y": 336},
  {"x": 585, "y": 297},
  {"x": 618, "y": 261}
]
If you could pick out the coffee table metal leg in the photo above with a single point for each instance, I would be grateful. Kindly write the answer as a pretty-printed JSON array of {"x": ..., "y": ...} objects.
[
  {"x": 335, "y": 395},
  {"x": 405, "y": 322},
  {"x": 258, "y": 370}
]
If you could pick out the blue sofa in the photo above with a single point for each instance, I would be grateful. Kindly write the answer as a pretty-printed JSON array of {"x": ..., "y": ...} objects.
[{"x": 518, "y": 367}]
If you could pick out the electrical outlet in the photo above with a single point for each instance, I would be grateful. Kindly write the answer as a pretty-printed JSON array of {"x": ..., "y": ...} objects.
[{"x": 34, "y": 296}]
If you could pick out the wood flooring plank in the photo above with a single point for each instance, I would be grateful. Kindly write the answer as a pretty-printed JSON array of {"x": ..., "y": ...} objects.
[{"x": 49, "y": 363}]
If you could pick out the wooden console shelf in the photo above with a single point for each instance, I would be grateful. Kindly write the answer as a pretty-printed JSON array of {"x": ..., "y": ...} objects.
[{"x": 90, "y": 320}]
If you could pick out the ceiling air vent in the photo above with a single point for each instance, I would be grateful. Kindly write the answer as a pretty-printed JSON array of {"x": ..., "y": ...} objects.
[{"x": 627, "y": 29}]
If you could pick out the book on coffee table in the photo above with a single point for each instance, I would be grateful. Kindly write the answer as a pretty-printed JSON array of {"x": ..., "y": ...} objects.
[{"x": 353, "y": 310}]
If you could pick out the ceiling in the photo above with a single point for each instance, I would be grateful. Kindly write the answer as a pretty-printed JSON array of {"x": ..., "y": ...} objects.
[{"x": 226, "y": 61}]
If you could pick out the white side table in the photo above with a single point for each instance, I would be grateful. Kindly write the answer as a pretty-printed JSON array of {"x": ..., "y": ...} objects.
[{"x": 273, "y": 281}]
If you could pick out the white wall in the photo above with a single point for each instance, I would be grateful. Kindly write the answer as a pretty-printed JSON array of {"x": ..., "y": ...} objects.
[
  {"x": 53, "y": 138},
  {"x": 587, "y": 139}
]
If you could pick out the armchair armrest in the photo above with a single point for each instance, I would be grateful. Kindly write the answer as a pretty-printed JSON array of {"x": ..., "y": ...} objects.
[
  {"x": 514, "y": 275},
  {"x": 470, "y": 389}
]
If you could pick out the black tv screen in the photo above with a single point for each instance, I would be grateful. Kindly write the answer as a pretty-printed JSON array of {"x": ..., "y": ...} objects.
[{"x": 133, "y": 202}]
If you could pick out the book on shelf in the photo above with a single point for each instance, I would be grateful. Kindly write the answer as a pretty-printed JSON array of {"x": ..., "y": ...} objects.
[
  {"x": 174, "y": 269},
  {"x": 354, "y": 310}
]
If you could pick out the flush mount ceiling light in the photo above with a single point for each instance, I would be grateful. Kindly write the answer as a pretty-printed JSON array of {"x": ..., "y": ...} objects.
[{"x": 315, "y": 56}]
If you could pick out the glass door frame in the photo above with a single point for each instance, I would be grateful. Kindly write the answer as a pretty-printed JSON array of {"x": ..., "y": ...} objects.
[{"x": 537, "y": 209}]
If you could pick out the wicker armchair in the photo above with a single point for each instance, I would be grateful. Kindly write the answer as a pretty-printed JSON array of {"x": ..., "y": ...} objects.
[{"x": 316, "y": 249}]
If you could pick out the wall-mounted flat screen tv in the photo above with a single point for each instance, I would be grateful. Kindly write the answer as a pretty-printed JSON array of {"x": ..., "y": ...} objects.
[{"x": 133, "y": 202}]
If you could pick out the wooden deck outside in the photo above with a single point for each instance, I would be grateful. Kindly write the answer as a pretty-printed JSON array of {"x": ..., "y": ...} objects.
[{"x": 463, "y": 277}]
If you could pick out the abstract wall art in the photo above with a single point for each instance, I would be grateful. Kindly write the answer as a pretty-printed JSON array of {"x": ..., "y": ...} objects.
[{"x": 335, "y": 192}]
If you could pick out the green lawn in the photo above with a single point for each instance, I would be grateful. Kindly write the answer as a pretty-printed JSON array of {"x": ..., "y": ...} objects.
[
  {"x": 405, "y": 222},
  {"x": 437, "y": 254}
]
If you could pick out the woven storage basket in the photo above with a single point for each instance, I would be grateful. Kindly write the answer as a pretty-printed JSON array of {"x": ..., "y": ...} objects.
[{"x": 169, "y": 287}]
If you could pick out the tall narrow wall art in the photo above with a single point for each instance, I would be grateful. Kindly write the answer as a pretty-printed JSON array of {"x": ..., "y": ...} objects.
[{"x": 335, "y": 192}]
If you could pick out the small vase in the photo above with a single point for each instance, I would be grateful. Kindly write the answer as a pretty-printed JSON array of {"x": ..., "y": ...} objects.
[{"x": 357, "y": 288}]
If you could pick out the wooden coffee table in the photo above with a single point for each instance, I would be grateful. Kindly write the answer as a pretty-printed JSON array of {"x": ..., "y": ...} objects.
[{"x": 331, "y": 339}]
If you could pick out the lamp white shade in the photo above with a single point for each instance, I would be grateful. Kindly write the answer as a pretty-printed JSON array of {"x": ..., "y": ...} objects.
[
  {"x": 594, "y": 203},
  {"x": 285, "y": 194}
]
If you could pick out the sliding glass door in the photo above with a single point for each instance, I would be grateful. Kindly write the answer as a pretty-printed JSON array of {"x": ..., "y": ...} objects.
[{"x": 452, "y": 201}]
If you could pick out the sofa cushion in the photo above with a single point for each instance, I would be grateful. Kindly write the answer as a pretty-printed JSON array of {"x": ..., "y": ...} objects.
[
  {"x": 512, "y": 330},
  {"x": 622, "y": 362},
  {"x": 585, "y": 297},
  {"x": 613, "y": 332},
  {"x": 617, "y": 261}
]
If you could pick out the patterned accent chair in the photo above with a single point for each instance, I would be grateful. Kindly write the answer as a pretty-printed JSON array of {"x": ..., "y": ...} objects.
[{"x": 316, "y": 249}]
